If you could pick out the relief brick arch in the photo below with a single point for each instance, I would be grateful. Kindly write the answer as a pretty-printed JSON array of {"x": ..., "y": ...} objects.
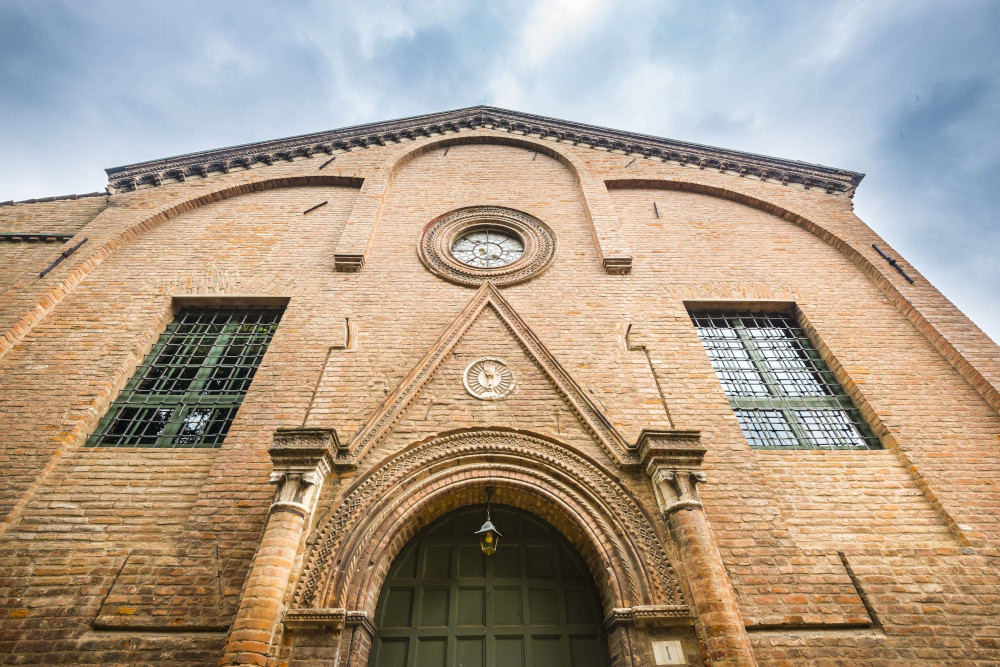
[
  {"x": 142, "y": 222},
  {"x": 355, "y": 545},
  {"x": 857, "y": 251},
  {"x": 356, "y": 241}
]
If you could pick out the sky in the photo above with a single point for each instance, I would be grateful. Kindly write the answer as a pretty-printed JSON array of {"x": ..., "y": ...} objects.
[{"x": 907, "y": 92}]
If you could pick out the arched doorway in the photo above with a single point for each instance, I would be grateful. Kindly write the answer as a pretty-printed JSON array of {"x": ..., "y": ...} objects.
[{"x": 444, "y": 603}]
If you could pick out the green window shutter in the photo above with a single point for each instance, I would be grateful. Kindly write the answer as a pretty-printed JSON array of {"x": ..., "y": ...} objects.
[
  {"x": 783, "y": 394},
  {"x": 189, "y": 387}
]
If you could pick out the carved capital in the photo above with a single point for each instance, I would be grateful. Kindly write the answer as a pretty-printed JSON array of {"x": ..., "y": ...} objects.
[
  {"x": 673, "y": 461},
  {"x": 677, "y": 489},
  {"x": 302, "y": 458}
]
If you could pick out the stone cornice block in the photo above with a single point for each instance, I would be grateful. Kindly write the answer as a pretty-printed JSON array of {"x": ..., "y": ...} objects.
[
  {"x": 303, "y": 450},
  {"x": 677, "y": 450},
  {"x": 649, "y": 616},
  {"x": 314, "y": 619}
]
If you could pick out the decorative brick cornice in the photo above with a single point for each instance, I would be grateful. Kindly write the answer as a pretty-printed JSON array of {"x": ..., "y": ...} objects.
[
  {"x": 648, "y": 615},
  {"x": 221, "y": 160},
  {"x": 43, "y": 200}
]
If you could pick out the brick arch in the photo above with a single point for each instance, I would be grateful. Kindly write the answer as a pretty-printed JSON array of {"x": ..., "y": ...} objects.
[
  {"x": 56, "y": 293},
  {"x": 941, "y": 343},
  {"x": 356, "y": 543},
  {"x": 360, "y": 230}
]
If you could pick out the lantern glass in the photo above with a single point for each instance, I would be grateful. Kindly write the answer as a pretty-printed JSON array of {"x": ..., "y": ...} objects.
[{"x": 489, "y": 538}]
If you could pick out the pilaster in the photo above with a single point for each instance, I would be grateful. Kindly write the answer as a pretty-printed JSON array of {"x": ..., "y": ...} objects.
[
  {"x": 301, "y": 458},
  {"x": 673, "y": 461}
]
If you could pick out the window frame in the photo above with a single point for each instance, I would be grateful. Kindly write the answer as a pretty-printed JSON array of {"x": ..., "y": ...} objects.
[
  {"x": 183, "y": 403},
  {"x": 792, "y": 407}
]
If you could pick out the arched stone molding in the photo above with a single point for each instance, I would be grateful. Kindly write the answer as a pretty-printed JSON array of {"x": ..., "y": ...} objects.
[
  {"x": 942, "y": 343},
  {"x": 54, "y": 295},
  {"x": 354, "y": 546},
  {"x": 355, "y": 242}
]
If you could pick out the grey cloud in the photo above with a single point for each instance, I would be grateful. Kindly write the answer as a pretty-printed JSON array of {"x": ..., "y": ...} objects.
[{"x": 907, "y": 91}]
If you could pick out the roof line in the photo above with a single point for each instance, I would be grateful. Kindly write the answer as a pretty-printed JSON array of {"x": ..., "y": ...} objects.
[{"x": 378, "y": 133}]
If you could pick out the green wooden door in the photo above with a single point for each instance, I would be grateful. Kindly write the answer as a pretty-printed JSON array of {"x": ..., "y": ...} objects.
[{"x": 531, "y": 604}]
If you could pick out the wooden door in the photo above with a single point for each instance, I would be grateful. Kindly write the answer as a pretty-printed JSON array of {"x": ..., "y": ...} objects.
[{"x": 531, "y": 604}]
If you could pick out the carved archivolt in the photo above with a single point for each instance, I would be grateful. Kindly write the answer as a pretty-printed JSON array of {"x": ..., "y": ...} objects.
[{"x": 353, "y": 547}]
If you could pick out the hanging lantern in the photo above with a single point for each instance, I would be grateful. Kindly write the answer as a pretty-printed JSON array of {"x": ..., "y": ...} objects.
[{"x": 488, "y": 535}]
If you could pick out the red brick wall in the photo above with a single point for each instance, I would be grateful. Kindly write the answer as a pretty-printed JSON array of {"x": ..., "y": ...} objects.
[{"x": 169, "y": 535}]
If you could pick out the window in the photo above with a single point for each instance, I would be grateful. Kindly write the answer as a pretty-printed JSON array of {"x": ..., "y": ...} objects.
[
  {"x": 189, "y": 387},
  {"x": 783, "y": 394},
  {"x": 488, "y": 248}
]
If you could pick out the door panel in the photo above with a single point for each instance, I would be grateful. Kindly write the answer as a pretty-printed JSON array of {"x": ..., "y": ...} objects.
[{"x": 531, "y": 604}]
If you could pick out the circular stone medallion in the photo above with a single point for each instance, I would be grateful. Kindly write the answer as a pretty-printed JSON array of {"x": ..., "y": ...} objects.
[
  {"x": 488, "y": 379},
  {"x": 472, "y": 245}
]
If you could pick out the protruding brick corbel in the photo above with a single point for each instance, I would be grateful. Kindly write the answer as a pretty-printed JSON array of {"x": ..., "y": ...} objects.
[{"x": 673, "y": 461}]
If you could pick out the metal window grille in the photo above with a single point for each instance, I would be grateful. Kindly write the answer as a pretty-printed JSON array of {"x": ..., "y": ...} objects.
[
  {"x": 190, "y": 385},
  {"x": 783, "y": 394}
]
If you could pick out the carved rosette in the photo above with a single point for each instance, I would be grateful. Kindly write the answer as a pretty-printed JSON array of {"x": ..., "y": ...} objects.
[
  {"x": 488, "y": 379},
  {"x": 438, "y": 237}
]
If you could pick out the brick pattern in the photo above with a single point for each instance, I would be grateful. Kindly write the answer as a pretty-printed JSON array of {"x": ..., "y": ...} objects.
[
  {"x": 923, "y": 513},
  {"x": 935, "y": 607},
  {"x": 64, "y": 216},
  {"x": 832, "y": 499}
]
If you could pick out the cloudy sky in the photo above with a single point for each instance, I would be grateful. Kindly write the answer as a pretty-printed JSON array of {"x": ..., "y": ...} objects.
[{"x": 905, "y": 91}]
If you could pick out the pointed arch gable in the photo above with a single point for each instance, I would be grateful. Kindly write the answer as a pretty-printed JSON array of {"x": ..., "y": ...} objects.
[
  {"x": 381, "y": 422},
  {"x": 935, "y": 300},
  {"x": 354, "y": 546},
  {"x": 355, "y": 242}
]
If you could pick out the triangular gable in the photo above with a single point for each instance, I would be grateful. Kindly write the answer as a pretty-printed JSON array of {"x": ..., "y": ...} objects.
[
  {"x": 220, "y": 160},
  {"x": 382, "y": 421}
]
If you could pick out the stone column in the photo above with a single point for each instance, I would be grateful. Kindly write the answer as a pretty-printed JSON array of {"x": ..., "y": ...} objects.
[
  {"x": 673, "y": 462},
  {"x": 301, "y": 458}
]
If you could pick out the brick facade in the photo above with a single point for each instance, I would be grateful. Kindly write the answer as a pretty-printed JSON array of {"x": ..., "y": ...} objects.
[{"x": 188, "y": 556}]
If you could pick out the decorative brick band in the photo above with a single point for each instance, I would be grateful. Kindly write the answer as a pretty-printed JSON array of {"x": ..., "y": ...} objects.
[{"x": 504, "y": 120}]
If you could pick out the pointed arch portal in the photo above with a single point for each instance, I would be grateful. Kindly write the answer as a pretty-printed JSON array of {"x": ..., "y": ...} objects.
[{"x": 532, "y": 603}]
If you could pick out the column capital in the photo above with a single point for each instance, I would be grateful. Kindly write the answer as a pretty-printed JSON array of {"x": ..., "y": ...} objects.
[
  {"x": 301, "y": 459},
  {"x": 673, "y": 461}
]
